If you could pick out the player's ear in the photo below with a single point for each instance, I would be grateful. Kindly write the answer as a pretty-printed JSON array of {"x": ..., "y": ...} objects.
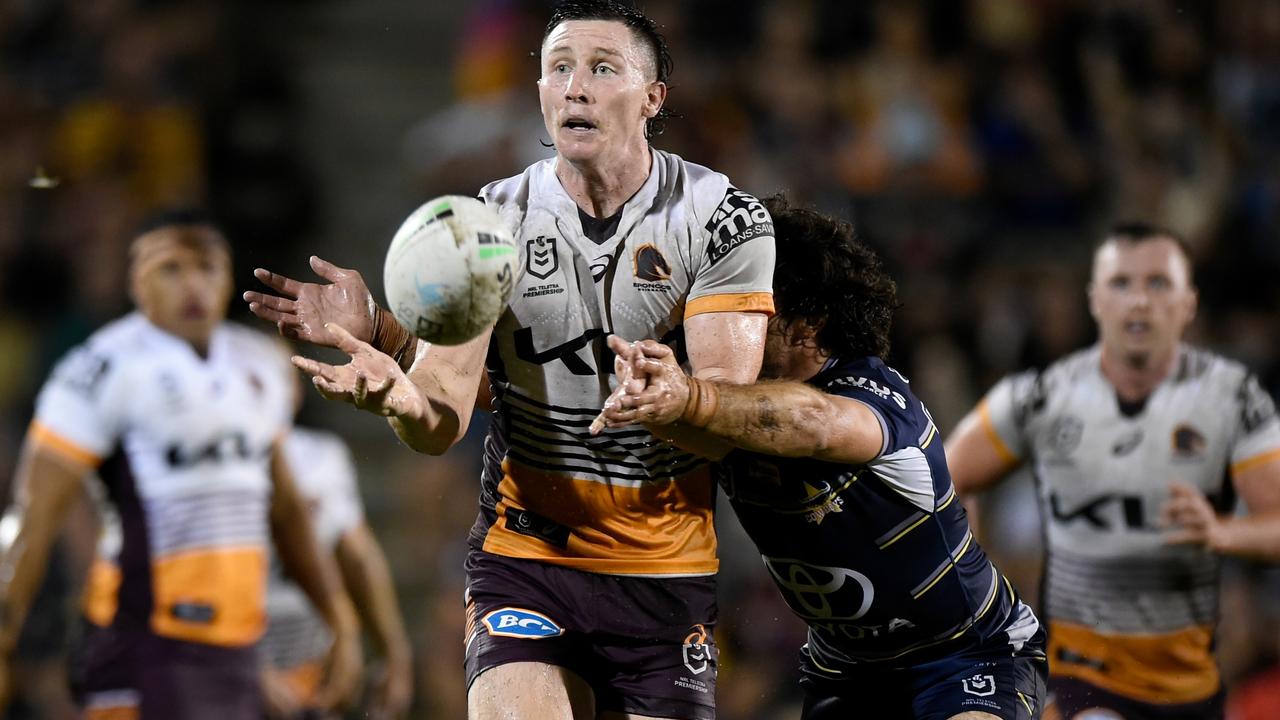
[{"x": 655, "y": 96}]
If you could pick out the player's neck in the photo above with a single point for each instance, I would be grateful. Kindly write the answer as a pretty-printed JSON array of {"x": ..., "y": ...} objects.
[
  {"x": 1136, "y": 375},
  {"x": 602, "y": 188}
]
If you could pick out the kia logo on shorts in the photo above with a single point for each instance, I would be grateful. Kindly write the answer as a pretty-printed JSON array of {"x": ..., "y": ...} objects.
[{"x": 519, "y": 623}]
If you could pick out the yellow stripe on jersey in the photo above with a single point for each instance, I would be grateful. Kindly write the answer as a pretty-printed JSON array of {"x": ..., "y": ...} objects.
[
  {"x": 101, "y": 593},
  {"x": 946, "y": 567},
  {"x": 112, "y": 712},
  {"x": 761, "y": 302},
  {"x": 660, "y": 528},
  {"x": 215, "y": 596},
  {"x": 1167, "y": 668},
  {"x": 984, "y": 413},
  {"x": 44, "y": 436},
  {"x": 906, "y": 530},
  {"x": 1255, "y": 461}
]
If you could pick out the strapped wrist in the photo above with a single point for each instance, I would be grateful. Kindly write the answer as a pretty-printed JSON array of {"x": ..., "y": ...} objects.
[
  {"x": 704, "y": 399},
  {"x": 391, "y": 338}
]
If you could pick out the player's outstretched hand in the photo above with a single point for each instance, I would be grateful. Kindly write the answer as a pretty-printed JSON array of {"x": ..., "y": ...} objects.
[
  {"x": 301, "y": 310},
  {"x": 1191, "y": 518},
  {"x": 371, "y": 381},
  {"x": 652, "y": 388}
]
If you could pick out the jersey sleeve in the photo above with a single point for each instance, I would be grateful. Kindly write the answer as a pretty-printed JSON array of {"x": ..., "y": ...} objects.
[
  {"x": 340, "y": 509},
  {"x": 1005, "y": 411},
  {"x": 736, "y": 271},
  {"x": 76, "y": 412},
  {"x": 1257, "y": 438}
]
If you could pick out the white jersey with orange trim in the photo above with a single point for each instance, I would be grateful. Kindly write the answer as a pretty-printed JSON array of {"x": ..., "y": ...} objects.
[
  {"x": 326, "y": 478},
  {"x": 1128, "y": 611},
  {"x": 686, "y": 243},
  {"x": 182, "y": 445}
]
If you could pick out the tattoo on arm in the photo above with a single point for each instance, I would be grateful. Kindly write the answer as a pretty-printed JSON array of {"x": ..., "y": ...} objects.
[{"x": 767, "y": 414}]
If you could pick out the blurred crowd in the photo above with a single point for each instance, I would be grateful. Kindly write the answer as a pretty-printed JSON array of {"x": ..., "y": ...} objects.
[{"x": 981, "y": 146}]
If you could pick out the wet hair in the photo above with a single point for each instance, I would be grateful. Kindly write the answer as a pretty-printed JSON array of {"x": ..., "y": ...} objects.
[
  {"x": 827, "y": 277},
  {"x": 1136, "y": 232},
  {"x": 640, "y": 25}
]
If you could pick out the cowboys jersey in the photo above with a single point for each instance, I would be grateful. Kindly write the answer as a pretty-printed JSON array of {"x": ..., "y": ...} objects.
[
  {"x": 686, "y": 243},
  {"x": 878, "y": 559},
  {"x": 182, "y": 445},
  {"x": 1129, "y": 612},
  {"x": 326, "y": 478}
]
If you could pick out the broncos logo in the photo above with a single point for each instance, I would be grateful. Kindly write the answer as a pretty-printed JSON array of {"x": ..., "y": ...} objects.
[{"x": 650, "y": 266}]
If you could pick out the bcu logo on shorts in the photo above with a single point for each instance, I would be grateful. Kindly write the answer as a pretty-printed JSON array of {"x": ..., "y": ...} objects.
[{"x": 520, "y": 623}]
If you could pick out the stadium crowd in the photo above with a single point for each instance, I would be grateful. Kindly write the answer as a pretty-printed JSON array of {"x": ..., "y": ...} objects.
[{"x": 981, "y": 147}]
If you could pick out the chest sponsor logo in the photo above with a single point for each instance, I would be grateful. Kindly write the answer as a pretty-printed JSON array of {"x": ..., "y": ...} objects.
[
  {"x": 739, "y": 219},
  {"x": 1127, "y": 443},
  {"x": 980, "y": 685},
  {"x": 541, "y": 259},
  {"x": 521, "y": 623},
  {"x": 817, "y": 592},
  {"x": 1065, "y": 434},
  {"x": 230, "y": 447},
  {"x": 1188, "y": 443}
]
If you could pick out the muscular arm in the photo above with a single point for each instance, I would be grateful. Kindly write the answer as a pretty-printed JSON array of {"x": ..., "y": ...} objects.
[
  {"x": 49, "y": 484},
  {"x": 365, "y": 574},
  {"x": 976, "y": 459},
  {"x": 448, "y": 378},
  {"x": 1256, "y": 535}
]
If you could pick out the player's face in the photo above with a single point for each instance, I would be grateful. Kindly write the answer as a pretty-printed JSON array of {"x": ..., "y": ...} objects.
[
  {"x": 1141, "y": 296},
  {"x": 182, "y": 281},
  {"x": 597, "y": 89}
]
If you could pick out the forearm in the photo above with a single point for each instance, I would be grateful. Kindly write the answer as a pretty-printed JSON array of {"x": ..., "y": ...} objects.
[
  {"x": 390, "y": 337},
  {"x": 1252, "y": 536},
  {"x": 23, "y": 564},
  {"x": 368, "y": 580},
  {"x": 789, "y": 419},
  {"x": 446, "y": 380}
]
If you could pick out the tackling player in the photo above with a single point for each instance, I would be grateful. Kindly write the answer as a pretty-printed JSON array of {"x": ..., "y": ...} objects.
[
  {"x": 1140, "y": 446},
  {"x": 591, "y": 568},
  {"x": 180, "y": 418},
  {"x": 837, "y": 473}
]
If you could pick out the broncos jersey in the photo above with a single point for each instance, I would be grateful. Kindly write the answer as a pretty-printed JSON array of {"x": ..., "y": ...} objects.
[
  {"x": 878, "y": 559},
  {"x": 326, "y": 478},
  {"x": 686, "y": 243},
  {"x": 182, "y": 445},
  {"x": 1127, "y": 611}
]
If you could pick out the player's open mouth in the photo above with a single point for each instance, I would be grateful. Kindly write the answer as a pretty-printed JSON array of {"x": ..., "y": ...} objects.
[
  {"x": 1137, "y": 326},
  {"x": 579, "y": 125}
]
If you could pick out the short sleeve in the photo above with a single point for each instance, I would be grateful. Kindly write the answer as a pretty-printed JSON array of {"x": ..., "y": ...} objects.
[
  {"x": 1006, "y": 410},
  {"x": 75, "y": 411},
  {"x": 343, "y": 508},
  {"x": 736, "y": 272},
  {"x": 326, "y": 475},
  {"x": 1257, "y": 439}
]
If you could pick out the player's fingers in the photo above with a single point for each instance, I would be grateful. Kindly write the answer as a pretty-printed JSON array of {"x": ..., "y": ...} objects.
[
  {"x": 314, "y": 368},
  {"x": 272, "y": 315},
  {"x": 278, "y": 282},
  {"x": 618, "y": 345},
  {"x": 654, "y": 349},
  {"x": 358, "y": 390},
  {"x": 1184, "y": 537},
  {"x": 331, "y": 390},
  {"x": 328, "y": 270},
  {"x": 275, "y": 302}
]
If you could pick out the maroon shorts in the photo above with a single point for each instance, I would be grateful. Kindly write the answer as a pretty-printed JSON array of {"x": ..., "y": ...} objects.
[
  {"x": 132, "y": 673},
  {"x": 1074, "y": 697},
  {"x": 644, "y": 645}
]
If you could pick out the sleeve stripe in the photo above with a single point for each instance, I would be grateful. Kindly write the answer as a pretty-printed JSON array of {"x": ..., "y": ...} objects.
[
  {"x": 730, "y": 302},
  {"x": 42, "y": 435},
  {"x": 1255, "y": 461},
  {"x": 984, "y": 414}
]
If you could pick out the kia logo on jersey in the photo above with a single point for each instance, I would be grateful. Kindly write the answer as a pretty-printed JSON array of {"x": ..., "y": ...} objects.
[{"x": 521, "y": 623}]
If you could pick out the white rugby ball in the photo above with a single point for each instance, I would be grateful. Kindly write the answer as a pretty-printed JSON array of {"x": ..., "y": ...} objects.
[{"x": 450, "y": 270}]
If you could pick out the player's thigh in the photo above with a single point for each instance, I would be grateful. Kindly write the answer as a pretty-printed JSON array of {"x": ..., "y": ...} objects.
[{"x": 529, "y": 691}]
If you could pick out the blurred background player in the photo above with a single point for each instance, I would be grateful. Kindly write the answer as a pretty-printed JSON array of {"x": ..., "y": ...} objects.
[
  {"x": 1141, "y": 446},
  {"x": 616, "y": 237},
  {"x": 297, "y": 641},
  {"x": 836, "y": 471},
  {"x": 181, "y": 416}
]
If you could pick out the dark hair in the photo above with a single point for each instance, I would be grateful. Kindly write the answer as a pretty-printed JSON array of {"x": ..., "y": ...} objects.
[
  {"x": 1133, "y": 232},
  {"x": 824, "y": 275},
  {"x": 176, "y": 217},
  {"x": 641, "y": 26}
]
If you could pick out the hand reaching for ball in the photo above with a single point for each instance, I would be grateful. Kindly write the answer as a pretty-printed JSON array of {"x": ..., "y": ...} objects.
[
  {"x": 303, "y": 310},
  {"x": 371, "y": 381}
]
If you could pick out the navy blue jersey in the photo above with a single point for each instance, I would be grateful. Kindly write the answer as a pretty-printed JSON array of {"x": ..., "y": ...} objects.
[{"x": 878, "y": 558}]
